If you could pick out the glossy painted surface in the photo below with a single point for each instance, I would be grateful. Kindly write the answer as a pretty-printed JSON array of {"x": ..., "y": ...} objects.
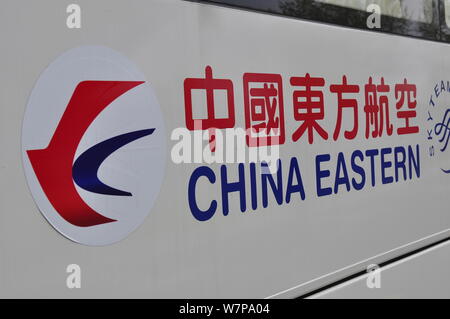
[
  {"x": 281, "y": 251},
  {"x": 424, "y": 275}
]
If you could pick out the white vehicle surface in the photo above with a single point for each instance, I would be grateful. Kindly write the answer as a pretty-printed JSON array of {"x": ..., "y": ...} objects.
[{"x": 360, "y": 119}]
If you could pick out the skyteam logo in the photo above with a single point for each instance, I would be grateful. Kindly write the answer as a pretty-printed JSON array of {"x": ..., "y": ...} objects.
[
  {"x": 438, "y": 125},
  {"x": 93, "y": 145}
]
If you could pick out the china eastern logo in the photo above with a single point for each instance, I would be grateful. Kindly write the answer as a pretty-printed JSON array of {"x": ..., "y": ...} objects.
[
  {"x": 53, "y": 165},
  {"x": 93, "y": 145}
]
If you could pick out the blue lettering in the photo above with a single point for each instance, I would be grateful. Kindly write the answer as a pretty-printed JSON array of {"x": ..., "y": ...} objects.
[
  {"x": 372, "y": 154},
  {"x": 277, "y": 189},
  {"x": 294, "y": 170},
  {"x": 400, "y": 163},
  {"x": 199, "y": 214},
  {"x": 414, "y": 161},
  {"x": 321, "y": 174},
  {"x": 338, "y": 179},
  {"x": 229, "y": 187},
  {"x": 358, "y": 169},
  {"x": 384, "y": 165}
]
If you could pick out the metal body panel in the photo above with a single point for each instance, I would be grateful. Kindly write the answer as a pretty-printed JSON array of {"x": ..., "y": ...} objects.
[
  {"x": 423, "y": 275},
  {"x": 278, "y": 251}
]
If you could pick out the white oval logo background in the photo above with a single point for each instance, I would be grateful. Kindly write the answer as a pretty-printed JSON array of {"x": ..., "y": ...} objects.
[{"x": 137, "y": 167}]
